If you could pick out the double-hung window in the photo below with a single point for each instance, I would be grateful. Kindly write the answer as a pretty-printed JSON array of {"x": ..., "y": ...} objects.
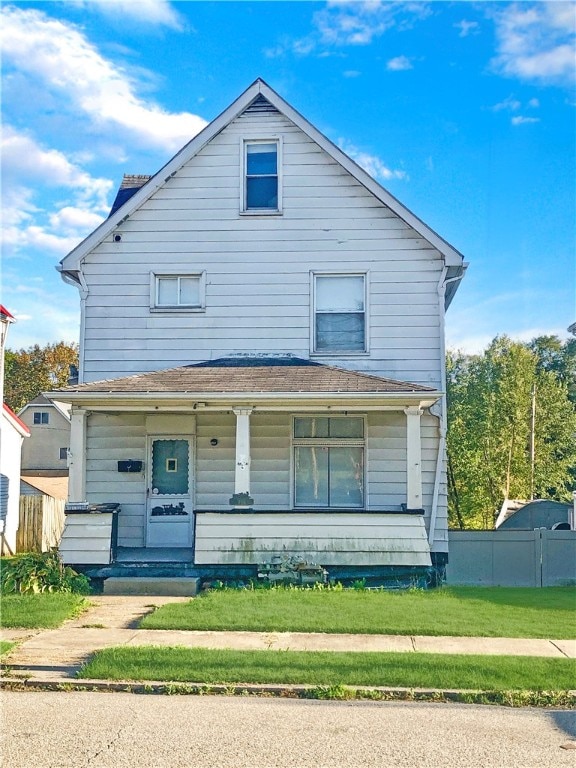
[
  {"x": 261, "y": 188},
  {"x": 339, "y": 313},
  {"x": 170, "y": 292},
  {"x": 329, "y": 462}
]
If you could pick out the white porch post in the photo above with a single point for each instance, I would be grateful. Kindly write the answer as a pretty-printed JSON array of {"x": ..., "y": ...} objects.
[
  {"x": 77, "y": 455},
  {"x": 242, "y": 474},
  {"x": 413, "y": 458}
]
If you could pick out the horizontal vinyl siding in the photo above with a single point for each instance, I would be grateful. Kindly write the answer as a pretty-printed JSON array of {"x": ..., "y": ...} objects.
[
  {"x": 258, "y": 267},
  {"x": 109, "y": 439}
]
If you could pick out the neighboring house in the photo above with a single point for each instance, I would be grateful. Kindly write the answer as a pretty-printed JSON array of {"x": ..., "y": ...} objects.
[
  {"x": 539, "y": 513},
  {"x": 262, "y": 358},
  {"x": 12, "y": 434},
  {"x": 49, "y": 425}
]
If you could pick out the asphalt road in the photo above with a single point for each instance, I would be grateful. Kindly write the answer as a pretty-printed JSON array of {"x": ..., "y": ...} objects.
[{"x": 113, "y": 730}]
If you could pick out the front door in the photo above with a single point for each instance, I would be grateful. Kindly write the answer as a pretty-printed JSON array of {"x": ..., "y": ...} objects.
[{"x": 169, "y": 494}]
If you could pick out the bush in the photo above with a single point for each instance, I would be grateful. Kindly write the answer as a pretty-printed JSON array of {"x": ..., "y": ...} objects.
[{"x": 31, "y": 573}]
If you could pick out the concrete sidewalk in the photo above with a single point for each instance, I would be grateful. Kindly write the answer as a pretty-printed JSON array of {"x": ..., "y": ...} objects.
[{"x": 57, "y": 654}]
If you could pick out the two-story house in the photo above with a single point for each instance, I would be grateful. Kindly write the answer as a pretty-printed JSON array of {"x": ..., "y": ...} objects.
[{"x": 262, "y": 358}]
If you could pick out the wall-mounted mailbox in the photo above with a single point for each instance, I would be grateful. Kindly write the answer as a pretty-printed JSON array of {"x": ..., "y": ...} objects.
[{"x": 131, "y": 465}]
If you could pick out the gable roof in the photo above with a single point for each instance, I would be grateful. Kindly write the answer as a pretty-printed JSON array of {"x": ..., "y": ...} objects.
[
  {"x": 254, "y": 97},
  {"x": 14, "y": 421},
  {"x": 252, "y": 377},
  {"x": 42, "y": 401}
]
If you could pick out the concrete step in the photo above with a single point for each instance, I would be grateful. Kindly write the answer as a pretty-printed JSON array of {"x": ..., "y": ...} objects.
[{"x": 151, "y": 585}]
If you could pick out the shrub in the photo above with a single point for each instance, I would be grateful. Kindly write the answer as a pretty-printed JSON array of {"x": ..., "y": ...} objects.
[{"x": 32, "y": 572}]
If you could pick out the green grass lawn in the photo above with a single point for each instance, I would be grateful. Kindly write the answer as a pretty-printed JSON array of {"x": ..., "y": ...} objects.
[
  {"x": 45, "y": 611},
  {"x": 5, "y": 646},
  {"x": 460, "y": 611},
  {"x": 421, "y": 670}
]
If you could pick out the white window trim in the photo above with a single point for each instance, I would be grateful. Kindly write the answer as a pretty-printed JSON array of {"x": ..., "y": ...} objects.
[
  {"x": 155, "y": 307},
  {"x": 339, "y": 352},
  {"x": 244, "y": 211},
  {"x": 328, "y": 442}
]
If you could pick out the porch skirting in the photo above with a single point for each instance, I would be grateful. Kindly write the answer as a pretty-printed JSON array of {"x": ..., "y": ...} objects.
[{"x": 346, "y": 539}]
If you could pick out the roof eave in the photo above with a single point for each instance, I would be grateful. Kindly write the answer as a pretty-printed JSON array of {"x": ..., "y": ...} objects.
[{"x": 194, "y": 401}]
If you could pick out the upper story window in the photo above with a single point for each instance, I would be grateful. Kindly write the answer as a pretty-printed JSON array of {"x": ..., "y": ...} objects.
[
  {"x": 177, "y": 292},
  {"x": 261, "y": 188},
  {"x": 41, "y": 417},
  {"x": 339, "y": 313}
]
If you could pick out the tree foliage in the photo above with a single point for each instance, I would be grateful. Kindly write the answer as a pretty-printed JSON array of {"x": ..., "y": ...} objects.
[
  {"x": 511, "y": 427},
  {"x": 31, "y": 371}
]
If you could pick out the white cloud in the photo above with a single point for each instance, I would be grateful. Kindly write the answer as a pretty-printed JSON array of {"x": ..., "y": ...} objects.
[
  {"x": 24, "y": 228},
  {"x": 74, "y": 220},
  {"x": 521, "y": 120},
  {"x": 509, "y": 103},
  {"x": 59, "y": 56},
  {"x": 467, "y": 28},
  {"x": 157, "y": 12},
  {"x": 24, "y": 159},
  {"x": 399, "y": 64},
  {"x": 370, "y": 163},
  {"x": 536, "y": 42},
  {"x": 352, "y": 73}
]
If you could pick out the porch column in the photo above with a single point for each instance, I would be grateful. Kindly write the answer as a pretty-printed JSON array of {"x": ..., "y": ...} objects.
[
  {"x": 77, "y": 455},
  {"x": 242, "y": 474},
  {"x": 413, "y": 458}
]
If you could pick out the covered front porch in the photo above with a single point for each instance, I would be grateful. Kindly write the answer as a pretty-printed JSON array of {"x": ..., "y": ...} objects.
[{"x": 233, "y": 465}]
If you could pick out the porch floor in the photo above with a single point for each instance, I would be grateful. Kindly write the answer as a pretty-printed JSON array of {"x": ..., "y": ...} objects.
[{"x": 154, "y": 555}]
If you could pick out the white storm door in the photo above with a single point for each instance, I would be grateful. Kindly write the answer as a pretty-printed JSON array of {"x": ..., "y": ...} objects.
[{"x": 169, "y": 496}]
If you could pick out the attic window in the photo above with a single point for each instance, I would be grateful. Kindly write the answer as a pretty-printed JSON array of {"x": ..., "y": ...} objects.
[
  {"x": 41, "y": 417},
  {"x": 177, "y": 292},
  {"x": 261, "y": 188}
]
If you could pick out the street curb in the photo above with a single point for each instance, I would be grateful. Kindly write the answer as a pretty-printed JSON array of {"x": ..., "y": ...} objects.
[{"x": 556, "y": 699}]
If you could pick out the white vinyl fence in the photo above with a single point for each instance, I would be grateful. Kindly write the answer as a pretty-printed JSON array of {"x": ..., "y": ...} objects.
[{"x": 539, "y": 558}]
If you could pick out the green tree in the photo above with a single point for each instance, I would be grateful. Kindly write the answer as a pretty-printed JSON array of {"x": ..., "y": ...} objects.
[
  {"x": 511, "y": 428},
  {"x": 31, "y": 371},
  {"x": 558, "y": 357}
]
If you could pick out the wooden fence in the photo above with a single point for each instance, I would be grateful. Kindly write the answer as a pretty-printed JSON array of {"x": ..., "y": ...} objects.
[{"x": 41, "y": 523}]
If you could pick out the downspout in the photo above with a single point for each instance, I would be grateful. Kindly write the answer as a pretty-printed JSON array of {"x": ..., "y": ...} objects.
[
  {"x": 83, "y": 291},
  {"x": 78, "y": 281},
  {"x": 442, "y": 419}
]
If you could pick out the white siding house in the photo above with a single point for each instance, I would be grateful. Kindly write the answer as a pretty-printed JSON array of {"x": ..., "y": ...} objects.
[
  {"x": 262, "y": 356},
  {"x": 49, "y": 425},
  {"x": 12, "y": 434}
]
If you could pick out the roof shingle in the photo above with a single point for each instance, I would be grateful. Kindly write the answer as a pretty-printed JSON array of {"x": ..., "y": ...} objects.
[{"x": 249, "y": 374}]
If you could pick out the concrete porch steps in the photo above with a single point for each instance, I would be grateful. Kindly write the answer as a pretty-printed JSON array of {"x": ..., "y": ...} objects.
[{"x": 176, "y": 586}]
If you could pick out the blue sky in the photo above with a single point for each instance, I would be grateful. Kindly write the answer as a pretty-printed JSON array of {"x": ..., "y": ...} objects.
[{"x": 464, "y": 111}]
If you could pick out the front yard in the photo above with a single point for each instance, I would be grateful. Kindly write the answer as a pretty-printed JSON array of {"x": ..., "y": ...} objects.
[
  {"x": 457, "y": 611},
  {"x": 41, "y": 611}
]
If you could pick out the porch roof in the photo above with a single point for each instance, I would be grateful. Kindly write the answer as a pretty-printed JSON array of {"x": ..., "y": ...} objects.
[{"x": 274, "y": 378}]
